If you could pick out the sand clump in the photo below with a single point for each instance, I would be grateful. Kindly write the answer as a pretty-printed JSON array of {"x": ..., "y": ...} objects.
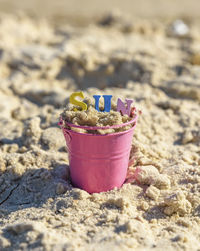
[
  {"x": 158, "y": 207},
  {"x": 177, "y": 203},
  {"x": 149, "y": 175}
]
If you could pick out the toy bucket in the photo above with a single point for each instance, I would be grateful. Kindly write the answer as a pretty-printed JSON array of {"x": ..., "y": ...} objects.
[{"x": 98, "y": 163}]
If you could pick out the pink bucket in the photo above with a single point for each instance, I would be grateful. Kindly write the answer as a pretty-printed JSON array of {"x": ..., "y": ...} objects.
[{"x": 98, "y": 163}]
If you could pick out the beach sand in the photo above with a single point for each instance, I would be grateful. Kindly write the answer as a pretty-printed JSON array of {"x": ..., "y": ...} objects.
[{"x": 157, "y": 64}]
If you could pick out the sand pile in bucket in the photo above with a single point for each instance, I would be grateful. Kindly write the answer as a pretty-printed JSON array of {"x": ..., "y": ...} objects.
[{"x": 92, "y": 117}]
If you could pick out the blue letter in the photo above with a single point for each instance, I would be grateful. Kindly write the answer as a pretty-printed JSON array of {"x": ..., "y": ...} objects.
[{"x": 107, "y": 102}]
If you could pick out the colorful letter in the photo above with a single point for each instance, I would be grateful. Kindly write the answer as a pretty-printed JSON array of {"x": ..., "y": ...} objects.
[
  {"x": 122, "y": 108},
  {"x": 107, "y": 102},
  {"x": 73, "y": 101}
]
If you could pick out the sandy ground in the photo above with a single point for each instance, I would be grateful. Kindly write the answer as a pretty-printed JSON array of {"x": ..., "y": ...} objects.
[{"x": 40, "y": 65}]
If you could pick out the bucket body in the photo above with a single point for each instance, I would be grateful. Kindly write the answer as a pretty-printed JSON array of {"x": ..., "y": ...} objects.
[{"x": 98, "y": 163}]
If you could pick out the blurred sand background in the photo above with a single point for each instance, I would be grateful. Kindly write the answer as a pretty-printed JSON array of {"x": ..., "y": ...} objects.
[{"x": 78, "y": 11}]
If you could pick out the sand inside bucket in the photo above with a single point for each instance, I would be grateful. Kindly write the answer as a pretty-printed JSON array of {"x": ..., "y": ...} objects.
[{"x": 91, "y": 117}]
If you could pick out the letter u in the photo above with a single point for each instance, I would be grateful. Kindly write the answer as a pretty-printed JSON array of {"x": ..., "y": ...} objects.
[{"x": 107, "y": 102}]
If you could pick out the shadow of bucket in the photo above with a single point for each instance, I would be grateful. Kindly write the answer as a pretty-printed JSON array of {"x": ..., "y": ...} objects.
[{"x": 98, "y": 163}]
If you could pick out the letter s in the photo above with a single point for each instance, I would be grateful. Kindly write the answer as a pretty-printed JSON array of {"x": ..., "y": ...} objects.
[{"x": 73, "y": 101}]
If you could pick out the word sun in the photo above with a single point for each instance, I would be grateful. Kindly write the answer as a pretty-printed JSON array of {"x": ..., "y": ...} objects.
[{"x": 121, "y": 107}]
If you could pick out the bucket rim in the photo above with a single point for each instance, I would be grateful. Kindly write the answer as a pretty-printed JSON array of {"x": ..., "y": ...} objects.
[
  {"x": 93, "y": 128},
  {"x": 100, "y": 135}
]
